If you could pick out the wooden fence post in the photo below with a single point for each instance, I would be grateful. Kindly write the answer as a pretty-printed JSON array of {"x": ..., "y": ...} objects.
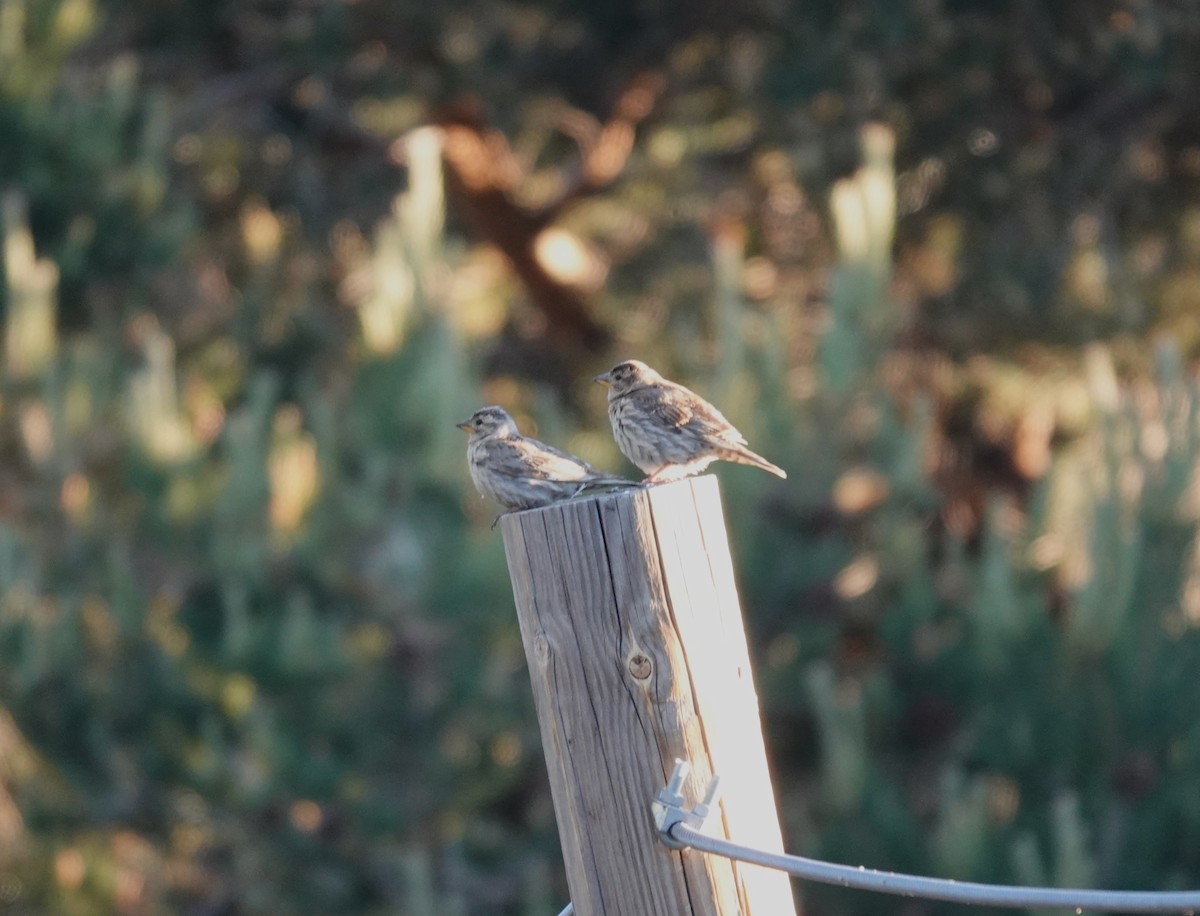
[{"x": 637, "y": 653}]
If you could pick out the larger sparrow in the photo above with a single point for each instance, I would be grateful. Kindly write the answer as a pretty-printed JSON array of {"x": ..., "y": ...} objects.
[
  {"x": 667, "y": 430},
  {"x": 522, "y": 473}
]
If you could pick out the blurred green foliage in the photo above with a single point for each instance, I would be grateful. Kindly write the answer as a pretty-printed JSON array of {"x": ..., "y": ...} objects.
[{"x": 257, "y": 650}]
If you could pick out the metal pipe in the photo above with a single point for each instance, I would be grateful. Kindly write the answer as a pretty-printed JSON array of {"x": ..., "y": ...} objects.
[{"x": 869, "y": 879}]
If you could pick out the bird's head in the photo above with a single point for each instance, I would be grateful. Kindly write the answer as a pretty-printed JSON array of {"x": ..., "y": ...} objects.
[
  {"x": 489, "y": 421},
  {"x": 627, "y": 376}
]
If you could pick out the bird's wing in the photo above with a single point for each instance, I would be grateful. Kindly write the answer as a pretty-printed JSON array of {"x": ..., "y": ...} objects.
[
  {"x": 529, "y": 458},
  {"x": 682, "y": 407},
  {"x": 666, "y": 407}
]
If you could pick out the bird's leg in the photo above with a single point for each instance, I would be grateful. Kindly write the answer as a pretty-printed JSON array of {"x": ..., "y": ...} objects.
[
  {"x": 669, "y": 473},
  {"x": 496, "y": 520}
]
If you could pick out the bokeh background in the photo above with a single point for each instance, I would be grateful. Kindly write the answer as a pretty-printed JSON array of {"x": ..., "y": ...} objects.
[{"x": 938, "y": 258}]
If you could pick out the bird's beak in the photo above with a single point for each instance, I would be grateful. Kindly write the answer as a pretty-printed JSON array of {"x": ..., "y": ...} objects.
[
  {"x": 604, "y": 379},
  {"x": 464, "y": 424}
]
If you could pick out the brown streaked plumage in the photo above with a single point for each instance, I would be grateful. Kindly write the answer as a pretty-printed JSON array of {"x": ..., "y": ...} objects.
[
  {"x": 522, "y": 473},
  {"x": 667, "y": 430}
]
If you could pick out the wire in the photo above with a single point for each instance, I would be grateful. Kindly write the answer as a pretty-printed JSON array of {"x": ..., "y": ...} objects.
[{"x": 869, "y": 879}]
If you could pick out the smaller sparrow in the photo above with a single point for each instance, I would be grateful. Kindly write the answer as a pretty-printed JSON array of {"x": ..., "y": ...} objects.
[
  {"x": 667, "y": 430},
  {"x": 522, "y": 473}
]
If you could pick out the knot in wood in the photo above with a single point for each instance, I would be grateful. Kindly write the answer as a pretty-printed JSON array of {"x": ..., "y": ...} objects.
[
  {"x": 640, "y": 665},
  {"x": 541, "y": 646}
]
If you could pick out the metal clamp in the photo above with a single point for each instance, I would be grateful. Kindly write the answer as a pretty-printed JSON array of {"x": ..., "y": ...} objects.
[{"x": 668, "y": 806}]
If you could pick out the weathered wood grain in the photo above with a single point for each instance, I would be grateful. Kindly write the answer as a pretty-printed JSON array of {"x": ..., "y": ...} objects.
[{"x": 637, "y": 655}]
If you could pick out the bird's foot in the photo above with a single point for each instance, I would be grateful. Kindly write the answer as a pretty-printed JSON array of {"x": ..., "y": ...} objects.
[{"x": 669, "y": 473}]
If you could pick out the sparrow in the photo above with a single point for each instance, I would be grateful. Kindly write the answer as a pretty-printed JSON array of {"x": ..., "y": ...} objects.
[
  {"x": 522, "y": 473},
  {"x": 667, "y": 430}
]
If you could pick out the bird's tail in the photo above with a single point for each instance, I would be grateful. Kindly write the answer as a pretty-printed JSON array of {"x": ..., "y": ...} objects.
[
  {"x": 602, "y": 481},
  {"x": 742, "y": 455}
]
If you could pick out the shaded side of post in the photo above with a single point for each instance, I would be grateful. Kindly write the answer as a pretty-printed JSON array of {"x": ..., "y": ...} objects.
[{"x": 637, "y": 655}]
